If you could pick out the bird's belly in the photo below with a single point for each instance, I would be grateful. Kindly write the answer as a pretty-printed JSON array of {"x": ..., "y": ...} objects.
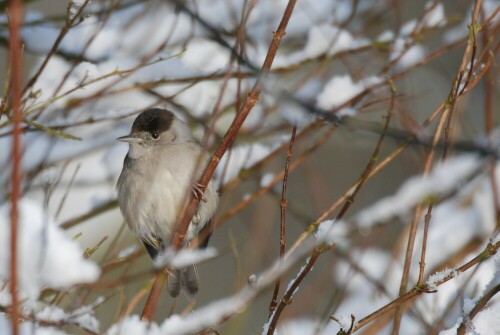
[{"x": 152, "y": 205}]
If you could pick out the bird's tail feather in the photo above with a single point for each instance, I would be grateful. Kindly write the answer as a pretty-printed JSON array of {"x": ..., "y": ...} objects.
[
  {"x": 190, "y": 279},
  {"x": 174, "y": 282},
  {"x": 186, "y": 277}
]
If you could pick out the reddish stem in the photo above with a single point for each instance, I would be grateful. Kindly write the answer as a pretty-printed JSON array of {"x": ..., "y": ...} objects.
[
  {"x": 283, "y": 205},
  {"x": 154, "y": 296},
  {"x": 15, "y": 23}
]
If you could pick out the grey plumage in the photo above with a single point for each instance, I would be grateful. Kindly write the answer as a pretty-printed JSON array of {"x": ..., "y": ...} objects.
[{"x": 160, "y": 170}]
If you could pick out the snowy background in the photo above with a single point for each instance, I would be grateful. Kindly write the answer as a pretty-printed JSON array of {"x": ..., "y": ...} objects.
[{"x": 81, "y": 271}]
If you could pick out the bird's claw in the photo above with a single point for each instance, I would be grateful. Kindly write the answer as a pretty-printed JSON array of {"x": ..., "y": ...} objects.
[{"x": 198, "y": 190}]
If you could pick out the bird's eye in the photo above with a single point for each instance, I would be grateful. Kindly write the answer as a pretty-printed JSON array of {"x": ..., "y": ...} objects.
[{"x": 155, "y": 135}]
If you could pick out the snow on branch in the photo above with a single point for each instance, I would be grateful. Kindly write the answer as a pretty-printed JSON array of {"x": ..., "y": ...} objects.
[{"x": 446, "y": 177}]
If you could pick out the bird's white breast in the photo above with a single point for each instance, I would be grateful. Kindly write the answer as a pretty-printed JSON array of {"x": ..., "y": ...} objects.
[{"x": 154, "y": 186}]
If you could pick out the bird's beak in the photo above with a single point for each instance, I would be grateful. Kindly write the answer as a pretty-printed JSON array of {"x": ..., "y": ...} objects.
[{"x": 130, "y": 139}]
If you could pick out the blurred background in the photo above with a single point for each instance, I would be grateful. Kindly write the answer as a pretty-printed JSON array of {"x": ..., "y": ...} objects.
[{"x": 120, "y": 57}]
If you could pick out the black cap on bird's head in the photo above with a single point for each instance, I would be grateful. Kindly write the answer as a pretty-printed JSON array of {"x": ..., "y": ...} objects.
[{"x": 153, "y": 121}]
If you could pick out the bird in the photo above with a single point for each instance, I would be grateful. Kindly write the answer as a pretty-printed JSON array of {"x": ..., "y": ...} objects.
[{"x": 160, "y": 171}]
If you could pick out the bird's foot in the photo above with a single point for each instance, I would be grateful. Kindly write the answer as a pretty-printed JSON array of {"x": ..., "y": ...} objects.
[{"x": 198, "y": 190}]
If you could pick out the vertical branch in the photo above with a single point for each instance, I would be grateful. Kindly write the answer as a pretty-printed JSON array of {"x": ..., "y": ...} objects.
[
  {"x": 154, "y": 296},
  {"x": 427, "y": 218},
  {"x": 427, "y": 221},
  {"x": 287, "y": 297},
  {"x": 488, "y": 88},
  {"x": 283, "y": 205},
  {"x": 15, "y": 23},
  {"x": 489, "y": 95}
]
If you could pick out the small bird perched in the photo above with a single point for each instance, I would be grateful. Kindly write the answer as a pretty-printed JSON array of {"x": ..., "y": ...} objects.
[{"x": 162, "y": 166}]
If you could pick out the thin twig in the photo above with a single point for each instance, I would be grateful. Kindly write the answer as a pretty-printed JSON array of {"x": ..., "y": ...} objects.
[
  {"x": 418, "y": 211},
  {"x": 66, "y": 192},
  {"x": 287, "y": 297},
  {"x": 427, "y": 221},
  {"x": 283, "y": 206}
]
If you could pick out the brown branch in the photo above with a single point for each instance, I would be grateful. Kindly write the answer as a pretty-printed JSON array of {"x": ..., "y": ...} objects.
[
  {"x": 287, "y": 297},
  {"x": 488, "y": 86},
  {"x": 15, "y": 23},
  {"x": 428, "y": 215},
  {"x": 283, "y": 206},
  {"x": 252, "y": 98},
  {"x": 427, "y": 221},
  {"x": 154, "y": 295}
]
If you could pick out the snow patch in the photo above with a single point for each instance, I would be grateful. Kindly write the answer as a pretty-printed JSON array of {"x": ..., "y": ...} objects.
[
  {"x": 434, "y": 17},
  {"x": 47, "y": 257},
  {"x": 437, "y": 277},
  {"x": 184, "y": 257},
  {"x": 445, "y": 177},
  {"x": 341, "y": 89}
]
